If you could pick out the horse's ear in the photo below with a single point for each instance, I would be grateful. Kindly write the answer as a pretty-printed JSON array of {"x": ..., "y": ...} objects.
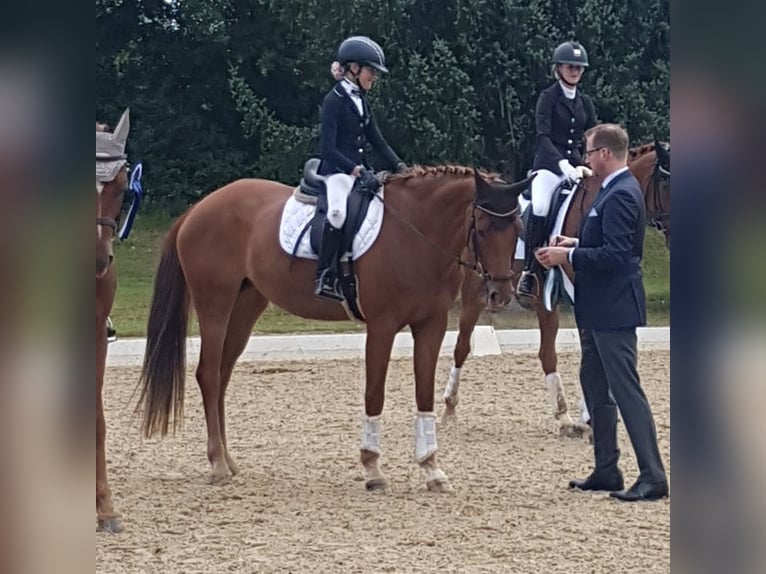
[
  {"x": 481, "y": 184},
  {"x": 519, "y": 187},
  {"x": 120, "y": 136}
]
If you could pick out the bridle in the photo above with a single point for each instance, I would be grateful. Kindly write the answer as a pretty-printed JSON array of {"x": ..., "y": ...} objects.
[
  {"x": 134, "y": 185},
  {"x": 477, "y": 266},
  {"x": 660, "y": 213},
  {"x": 108, "y": 221}
]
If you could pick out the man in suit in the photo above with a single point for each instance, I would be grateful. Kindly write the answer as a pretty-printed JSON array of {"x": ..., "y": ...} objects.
[{"x": 609, "y": 304}]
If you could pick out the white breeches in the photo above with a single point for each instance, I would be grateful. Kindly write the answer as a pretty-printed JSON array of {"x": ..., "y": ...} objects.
[
  {"x": 543, "y": 187},
  {"x": 338, "y": 188}
]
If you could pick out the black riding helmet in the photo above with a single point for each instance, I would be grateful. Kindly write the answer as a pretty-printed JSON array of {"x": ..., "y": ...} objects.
[
  {"x": 363, "y": 51},
  {"x": 570, "y": 53}
]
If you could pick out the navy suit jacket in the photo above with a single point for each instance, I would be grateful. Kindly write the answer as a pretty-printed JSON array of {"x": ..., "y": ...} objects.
[
  {"x": 561, "y": 124},
  {"x": 344, "y": 135},
  {"x": 609, "y": 288}
]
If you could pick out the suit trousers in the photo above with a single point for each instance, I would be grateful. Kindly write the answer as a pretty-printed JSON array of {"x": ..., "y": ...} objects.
[{"x": 609, "y": 375}]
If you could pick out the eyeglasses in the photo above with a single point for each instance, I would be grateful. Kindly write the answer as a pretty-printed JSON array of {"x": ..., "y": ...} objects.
[{"x": 594, "y": 150}]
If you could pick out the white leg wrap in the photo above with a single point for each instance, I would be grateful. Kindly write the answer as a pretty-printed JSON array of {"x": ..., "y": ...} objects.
[
  {"x": 371, "y": 433},
  {"x": 556, "y": 394},
  {"x": 584, "y": 414},
  {"x": 450, "y": 391},
  {"x": 425, "y": 435}
]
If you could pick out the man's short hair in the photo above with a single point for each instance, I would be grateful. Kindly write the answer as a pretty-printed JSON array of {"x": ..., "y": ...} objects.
[{"x": 610, "y": 136}]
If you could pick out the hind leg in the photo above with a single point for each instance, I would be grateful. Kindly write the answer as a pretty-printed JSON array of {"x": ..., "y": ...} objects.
[
  {"x": 549, "y": 327},
  {"x": 472, "y": 301},
  {"x": 249, "y": 306},
  {"x": 213, "y": 311}
]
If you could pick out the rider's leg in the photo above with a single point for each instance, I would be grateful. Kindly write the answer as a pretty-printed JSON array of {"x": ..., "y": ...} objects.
[
  {"x": 543, "y": 187},
  {"x": 337, "y": 193}
]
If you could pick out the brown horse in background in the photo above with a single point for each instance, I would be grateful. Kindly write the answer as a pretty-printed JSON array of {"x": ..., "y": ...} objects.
[
  {"x": 650, "y": 164},
  {"x": 111, "y": 183},
  {"x": 223, "y": 259}
]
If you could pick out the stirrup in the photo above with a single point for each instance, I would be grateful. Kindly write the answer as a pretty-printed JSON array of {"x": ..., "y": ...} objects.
[
  {"x": 535, "y": 293},
  {"x": 325, "y": 290}
]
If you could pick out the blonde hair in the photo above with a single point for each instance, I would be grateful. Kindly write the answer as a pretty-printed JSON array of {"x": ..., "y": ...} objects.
[
  {"x": 338, "y": 71},
  {"x": 610, "y": 136}
]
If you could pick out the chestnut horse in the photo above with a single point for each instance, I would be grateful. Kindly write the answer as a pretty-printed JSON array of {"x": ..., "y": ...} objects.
[
  {"x": 223, "y": 258},
  {"x": 650, "y": 164},
  {"x": 111, "y": 183}
]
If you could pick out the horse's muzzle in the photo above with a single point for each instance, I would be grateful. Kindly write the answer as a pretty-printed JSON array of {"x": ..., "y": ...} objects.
[{"x": 498, "y": 295}]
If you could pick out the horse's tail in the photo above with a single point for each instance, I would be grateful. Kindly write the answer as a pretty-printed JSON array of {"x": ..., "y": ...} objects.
[{"x": 162, "y": 378}]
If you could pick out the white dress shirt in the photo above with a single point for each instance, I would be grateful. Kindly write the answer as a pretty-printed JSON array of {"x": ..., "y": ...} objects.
[{"x": 353, "y": 91}]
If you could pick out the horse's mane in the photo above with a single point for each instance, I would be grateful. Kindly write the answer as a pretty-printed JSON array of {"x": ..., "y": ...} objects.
[
  {"x": 457, "y": 170},
  {"x": 639, "y": 151}
]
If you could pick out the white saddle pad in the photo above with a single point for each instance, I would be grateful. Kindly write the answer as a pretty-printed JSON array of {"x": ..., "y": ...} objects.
[{"x": 296, "y": 215}]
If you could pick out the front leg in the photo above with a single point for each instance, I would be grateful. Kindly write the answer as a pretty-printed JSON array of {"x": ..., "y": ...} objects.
[
  {"x": 108, "y": 519},
  {"x": 428, "y": 336},
  {"x": 380, "y": 340}
]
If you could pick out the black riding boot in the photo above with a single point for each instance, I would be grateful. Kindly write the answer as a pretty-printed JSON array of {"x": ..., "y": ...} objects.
[
  {"x": 327, "y": 263},
  {"x": 532, "y": 277}
]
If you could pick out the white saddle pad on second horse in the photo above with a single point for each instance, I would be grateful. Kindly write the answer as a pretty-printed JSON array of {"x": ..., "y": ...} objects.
[
  {"x": 296, "y": 215},
  {"x": 556, "y": 274}
]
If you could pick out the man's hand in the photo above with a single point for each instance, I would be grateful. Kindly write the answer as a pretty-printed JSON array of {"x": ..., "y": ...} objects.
[
  {"x": 563, "y": 241},
  {"x": 552, "y": 256}
]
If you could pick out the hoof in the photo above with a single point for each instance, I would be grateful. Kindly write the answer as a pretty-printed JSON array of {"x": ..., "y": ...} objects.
[
  {"x": 575, "y": 430},
  {"x": 376, "y": 485},
  {"x": 219, "y": 478},
  {"x": 449, "y": 410},
  {"x": 439, "y": 486},
  {"x": 233, "y": 468},
  {"x": 110, "y": 525}
]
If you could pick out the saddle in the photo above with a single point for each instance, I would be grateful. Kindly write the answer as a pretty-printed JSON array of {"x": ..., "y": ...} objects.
[{"x": 312, "y": 191}]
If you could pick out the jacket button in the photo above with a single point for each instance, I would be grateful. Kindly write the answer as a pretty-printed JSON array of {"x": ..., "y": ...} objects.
[
  {"x": 569, "y": 152},
  {"x": 361, "y": 124},
  {"x": 573, "y": 120},
  {"x": 361, "y": 150},
  {"x": 571, "y": 131}
]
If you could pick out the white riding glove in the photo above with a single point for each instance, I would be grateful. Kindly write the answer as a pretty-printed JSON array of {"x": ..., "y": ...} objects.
[{"x": 569, "y": 171}]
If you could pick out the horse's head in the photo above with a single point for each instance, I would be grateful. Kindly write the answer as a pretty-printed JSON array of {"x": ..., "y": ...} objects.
[
  {"x": 650, "y": 164},
  {"x": 492, "y": 235},
  {"x": 111, "y": 183}
]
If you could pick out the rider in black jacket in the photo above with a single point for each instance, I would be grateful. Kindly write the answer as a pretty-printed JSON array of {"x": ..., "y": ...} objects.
[
  {"x": 347, "y": 125},
  {"x": 562, "y": 116}
]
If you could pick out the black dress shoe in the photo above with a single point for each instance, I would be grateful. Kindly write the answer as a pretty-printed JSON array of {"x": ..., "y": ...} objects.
[
  {"x": 643, "y": 491},
  {"x": 600, "y": 480}
]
